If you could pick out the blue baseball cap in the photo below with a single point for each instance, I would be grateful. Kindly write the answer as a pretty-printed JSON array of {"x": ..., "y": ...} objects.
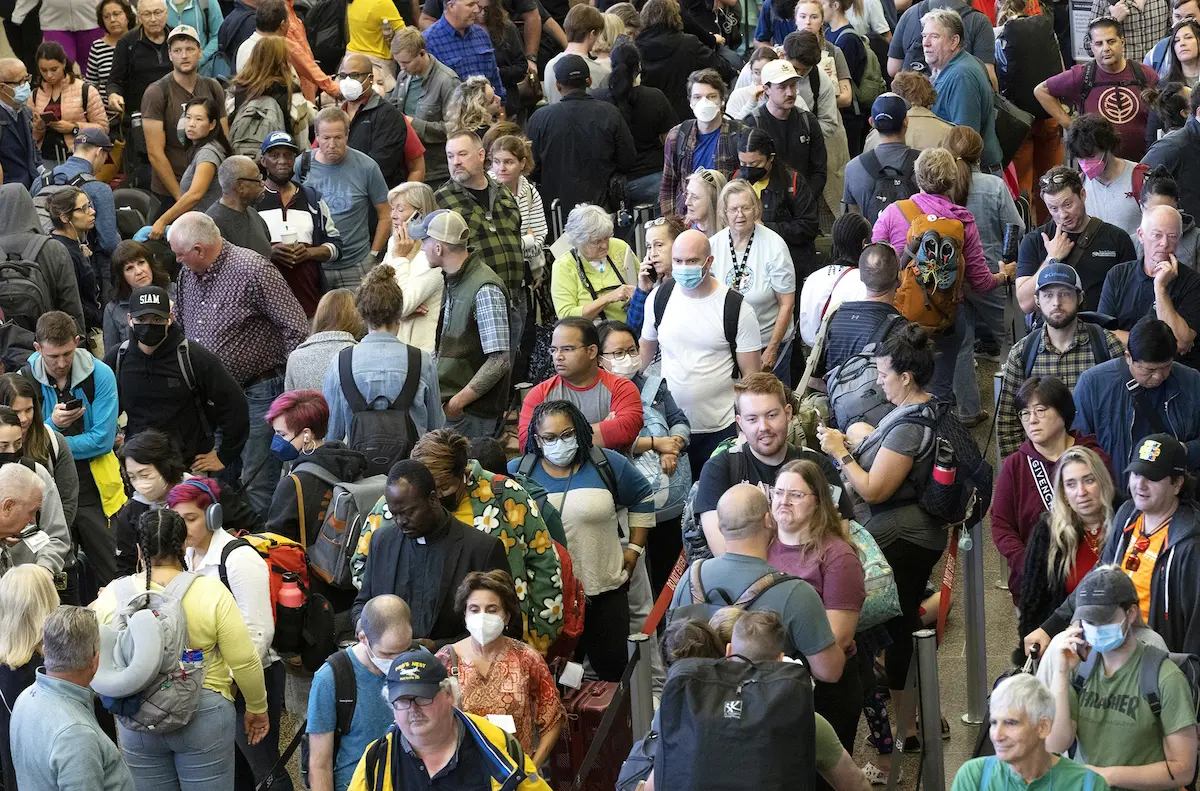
[
  {"x": 276, "y": 139},
  {"x": 888, "y": 112},
  {"x": 415, "y": 673},
  {"x": 1059, "y": 274}
]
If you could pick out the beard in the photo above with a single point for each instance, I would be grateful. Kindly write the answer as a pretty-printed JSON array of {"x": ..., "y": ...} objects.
[{"x": 1062, "y": 323}]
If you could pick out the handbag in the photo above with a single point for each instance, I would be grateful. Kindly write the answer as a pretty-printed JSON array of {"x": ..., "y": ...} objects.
[
  {"x": 529, "y": 90},
  {"x": 541, "y": 367},
  {"x": 883, "y": 601}
]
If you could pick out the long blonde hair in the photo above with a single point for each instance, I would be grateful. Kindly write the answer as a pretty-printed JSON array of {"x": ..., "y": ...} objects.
[
  {"x": 27, "y": 597},
  {"x": 1065, "y": 525},
  {"x": 268, "y": 64},
  {"x": 710, "y": 183},
  {"x": 826, "y": 524}
]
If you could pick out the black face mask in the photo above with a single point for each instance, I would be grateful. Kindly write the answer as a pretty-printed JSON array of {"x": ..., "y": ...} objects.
[
  {"x": 149, "y": 334},
  {"x": 450, "y": 502},
  {"x": 753, "y": 175},
  {"x": 11, "y": 458}
]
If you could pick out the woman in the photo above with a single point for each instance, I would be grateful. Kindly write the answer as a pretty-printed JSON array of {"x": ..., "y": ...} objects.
[
  {"x": 40, "y": 441},
  {"x": 944, "y": 185},
  {"x": 925, "y": 130},
  {"x": 869, "y": 19},
  {"x": 1067, "y": 540},
  {"x": 474, "y": 105},
  {"x": 606, "y": 42},
  {"x": 420, "y": 283},
  {"x": 743, "y": 100},
  {"x": 509, "y": 49},
  {"x": 371, "y": 24},
  {"x": 1160, "y": 189},
  {"x": 754, "y": 261},
  {"x": 594, "y": 278},
  {"x": 1111, "y": 185},
  {"x": 70, "y": 25},
  {"x": 1170, "y": 107},
  {"x": 133, "y": 266},
  {"x": 1023, "y": 491},
  {"x": 1182, "y": 63},
  {"x": 561, "y": 443},
  {"x": 841, "y": 33},
  {"x": 655, "y": 267},
  {"x": 669, "y": 54},
  {"x": 649, "y": 116},
  {"x": 700, "y": 198},
  {"x": 74, "y": 103},
  {"x": 788, "y": 206},
  {"x": 199, "y": 187},
  {"x": 198, "y": 754},
  {"x": 335, "y": 326},
  {"x": 511, "y": 161},
  {"x": 498, "y": 675},
  {"x": 991, "y": 204},
  {"x": 828, "y": 287},
  {"x": 72, "y": 216},
  {"x": 116, "y": 18},
  {"x": 269, "y": 73}
]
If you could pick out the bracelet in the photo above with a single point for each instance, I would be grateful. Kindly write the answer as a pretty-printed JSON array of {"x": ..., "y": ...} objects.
[
  {"x": 636, "y": 548},
  {"x": 652, "y": 444}
]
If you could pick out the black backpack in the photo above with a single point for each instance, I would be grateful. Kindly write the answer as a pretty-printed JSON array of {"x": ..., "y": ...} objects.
[
  {"x": 345, "y": 696},
  {"x": 328, "y": 33},
  {"x": 973, "y": 474},
  {"x": 890, "y": 184},
  {"x": 1089, "y": 81},
  {"x": 733, "y": 308},
  {"x": 384, "y": 436},
  {"x": 24, "y": 293},
  {"x": 1095, "y": 338}
]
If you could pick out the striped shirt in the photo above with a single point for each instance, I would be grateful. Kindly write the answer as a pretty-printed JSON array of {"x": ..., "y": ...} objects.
[{"x": 99, "y": 64}]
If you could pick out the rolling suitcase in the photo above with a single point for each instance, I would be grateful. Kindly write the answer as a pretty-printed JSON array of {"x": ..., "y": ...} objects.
[{"x": 585, "y": 708}]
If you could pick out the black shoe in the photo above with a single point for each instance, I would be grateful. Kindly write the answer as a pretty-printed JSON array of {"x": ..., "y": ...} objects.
[{"x": 911, "y": 745}]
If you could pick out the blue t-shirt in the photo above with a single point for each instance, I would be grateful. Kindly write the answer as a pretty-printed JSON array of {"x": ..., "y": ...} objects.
[
  {"x": 705, "y": 155},
  {"x": 770, "y": 28},
  {"x": 372, "y": 716},
  {"x": 351, "y": 190}
]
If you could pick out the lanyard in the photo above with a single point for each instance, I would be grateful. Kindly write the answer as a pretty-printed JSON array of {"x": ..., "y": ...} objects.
[{"x": 739, "y": 276}]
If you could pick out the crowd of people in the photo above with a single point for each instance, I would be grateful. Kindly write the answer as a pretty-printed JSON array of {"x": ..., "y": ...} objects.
[{"x": 403, "y": 354}]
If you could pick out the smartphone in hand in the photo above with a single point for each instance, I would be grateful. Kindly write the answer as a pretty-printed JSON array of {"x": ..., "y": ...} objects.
[{"x": 74, "y": 403}]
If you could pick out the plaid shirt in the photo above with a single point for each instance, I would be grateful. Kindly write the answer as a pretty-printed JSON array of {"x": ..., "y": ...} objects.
[
  {"x": 677, "y": 161},
  {"x": 468, "y": 53},
  {"x": 491, "y": 314},
  {"x": 496, "y": 234},
  {"x": 1067, "y": 366},
  {"x": 1143, "y": 29}
]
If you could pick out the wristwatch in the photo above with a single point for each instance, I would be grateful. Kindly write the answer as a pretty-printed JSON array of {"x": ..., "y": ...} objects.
[{"x": 841, "y": 462}]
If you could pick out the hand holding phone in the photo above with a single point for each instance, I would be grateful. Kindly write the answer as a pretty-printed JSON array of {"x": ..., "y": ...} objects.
[{"x": 74, "y": 403}]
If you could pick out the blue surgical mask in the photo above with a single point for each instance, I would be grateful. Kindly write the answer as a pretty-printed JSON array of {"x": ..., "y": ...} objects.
[
  {"x": 22, "y": 92},
  {"x": 688, "y": 276},
  {"x": 1104, "y": 637},
  {"x": 561, "y": 452},
  {"x": 283, "y": 450}
]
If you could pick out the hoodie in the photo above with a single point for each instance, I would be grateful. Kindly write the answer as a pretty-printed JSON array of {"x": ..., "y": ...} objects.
[
  {"x": 893, "y": 227},
  {"x": 669, "y": 56},
  {"x": 283, "y": 517},
  {"x": 93, "y": 434},
  {"x": 18, "y": 224},
  {"x": 1017, "y": 504}
]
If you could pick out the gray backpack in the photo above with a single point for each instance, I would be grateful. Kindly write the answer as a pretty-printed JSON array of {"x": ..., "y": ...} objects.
[
  {"x": 854, "y": 392},
  {"x": 49, "y": 187},
  {"x": 330, "y": 555},
  {"x": 251, "y": 124}
]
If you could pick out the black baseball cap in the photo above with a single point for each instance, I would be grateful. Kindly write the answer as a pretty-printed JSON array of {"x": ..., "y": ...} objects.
[
  {"x": 150, "y": 301},
  {"x": 1159, "y": 456},
  {"x": 416, "y": 673},
  {"x": 572, "y": 71}
]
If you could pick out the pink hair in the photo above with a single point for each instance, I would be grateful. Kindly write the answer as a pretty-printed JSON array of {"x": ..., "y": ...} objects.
[
  {"x": 189, "y": 492},
  {"x": 301, "y": 409}
]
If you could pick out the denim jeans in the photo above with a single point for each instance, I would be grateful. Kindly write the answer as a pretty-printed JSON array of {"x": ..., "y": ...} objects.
[
  {"x": 987, "y": 308},
  {"x": 644, "y": 190},
  {"x": 197, "y": 757},
  {"x": 258, "y": 445},
  {"x": 947, "y": 346},
  {"x": 256, "y": 760}
]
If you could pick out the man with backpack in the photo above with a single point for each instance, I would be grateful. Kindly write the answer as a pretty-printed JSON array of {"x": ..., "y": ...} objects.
[
  {"x": 92, "y": 148},
  {"x": 710, "y": 140},
  {"x": 43, "y": 278},
  {"x": 856, "y": 323},
  {"x": 797, "y": 134},
  {"x": 878, "y": 178}
]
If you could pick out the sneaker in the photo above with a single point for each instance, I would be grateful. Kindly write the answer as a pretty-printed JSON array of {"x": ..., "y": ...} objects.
[
  {"x": 878, "y": 777},
  {"x": 987, "y": 351},
  {"x": 975, "y": 420}
]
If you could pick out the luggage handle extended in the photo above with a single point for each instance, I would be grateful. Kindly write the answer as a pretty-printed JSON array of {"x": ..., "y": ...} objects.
[{"x": 606, "y": 722}]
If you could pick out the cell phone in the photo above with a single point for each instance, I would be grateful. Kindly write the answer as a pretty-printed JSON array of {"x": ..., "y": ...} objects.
[
  {"x": 1084, "y": 650},
  {"x": 28, "y": 532},
  {"x": 49, "y": 118},
  {"x": 73, "y": 403}
]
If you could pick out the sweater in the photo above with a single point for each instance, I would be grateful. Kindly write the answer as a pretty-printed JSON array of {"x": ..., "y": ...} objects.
[
  {"x": 308, "y": 362},
  {"x": 609, "y": 395},
  {"x": 893, "y": 227}
]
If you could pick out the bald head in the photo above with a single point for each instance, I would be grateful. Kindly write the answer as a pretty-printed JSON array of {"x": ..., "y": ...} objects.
[
  {"x": 691, "y": 249},
  {"x": 12, "y": 72},
  {"x": 355, "y": 63},
  {"x": 386, "y": 618},
  {"x": 1159, "y": 233},
  {"x": 742, "y": 513}
]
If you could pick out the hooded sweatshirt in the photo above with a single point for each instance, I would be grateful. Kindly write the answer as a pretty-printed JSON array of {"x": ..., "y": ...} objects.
[
  {"x": 893, "y": 227},
  {"x": 283, "y": 517},
  {"x": 1018, "y": 505},
  {"x": 93, "y": 434},
  {"x": 18, "y": 224}
]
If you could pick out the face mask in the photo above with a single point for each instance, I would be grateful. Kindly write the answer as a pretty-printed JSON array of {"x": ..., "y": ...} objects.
[
  {"x": 10, "y": 458},
  {"x": 449, "y": 502},
  {"x": 22, "y": 92},
  {"x": 282, "y": 449},
  {"x": 753, "y": 175},
  {"x": 149, "y": 334},
  {"x": 624, "y": 367},
  {"x": 351, "y": 89},
  {"x": 484, "y": 626},
  {"x": 688, "y": 276},
  {"x": 383, "y": 665},
  {"x": 1092, "y": 167},
  {"x": 705, "y": 110},
  {"x": 561, "y": 451},
  {"x": 1105, "y": 637},
  {"x": 155, "y": 490}
]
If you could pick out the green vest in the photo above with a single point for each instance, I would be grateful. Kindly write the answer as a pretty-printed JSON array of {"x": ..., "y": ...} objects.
[{"x": 460, "y": 350}]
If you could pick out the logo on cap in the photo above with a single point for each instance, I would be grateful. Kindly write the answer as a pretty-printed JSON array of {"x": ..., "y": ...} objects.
[
  {"x": 149, "y": 299},
  {"x": 1149, "y": 450},
  {"x": 409, "y": 669}
]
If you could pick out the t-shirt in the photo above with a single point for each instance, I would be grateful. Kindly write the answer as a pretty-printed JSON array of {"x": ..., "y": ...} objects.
[
  {"x": 1065, "y": 773},
  {"x": 213, "y": 153},
  {"x": 1115, "y": 202},
  {"x": 852, "y": 327},
  {"x": 860, "y": 185},
  {"x": 908, "y": 521},
  {"x": 372, "y": 716},
  {"x": 1128, "y": 295},
  {"x": 835, "y": 572},
  {"x": 1123, "y": 105},
  {"x": 791, "y": 136},
  {"x": 704, "y": 155},
  {"x": 716, "y": 477},
  {"x": 1147, "y": 550},
  {"x": 823, "y": 291},
  {"x": 164, "y": 100},
  {"x": 351, "y": 189},
  {"x": 769, "y": 273},
  {"x": 243, "y": 228},
  {"x": 598, "y": 70},
  {"x": 1110, "y": 246},
  {"x": 365, "y": 24},
  {"x": 696, "y": 361}
]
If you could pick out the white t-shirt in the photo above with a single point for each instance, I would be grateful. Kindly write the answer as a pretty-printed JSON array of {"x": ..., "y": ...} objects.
[
  {"x": 695, "y": 355},
  {"x": 771, "y": 273},
  {"x": 823, "y": 291},
  {"x": 247, "y": 47},
  {"x": 872, "y": 20}
]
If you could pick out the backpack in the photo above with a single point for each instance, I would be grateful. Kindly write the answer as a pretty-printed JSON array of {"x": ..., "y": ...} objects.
[
  {"x": 973, "y": 474},
  {"x": 384, "y": 436},
  {"x": 853, "y": 388},
  {"x": 183, "y": 355},
  {"x": 695, "y": 543},
  {"x": 574, "y": 602},
  {"x": 890, "y": 185},
  {"x": 329, "y": 556},
  {"x": 328, "y": 33},
  {"x": 1089, "y": 81},
  {"x": 175, "y": 670},
  {"x": 702, "y": 608},
  {"x": 640, "y": 763},
  {"x": 1095, "y": 338},
  {"x": 883, "y": 599},
  {"x": 931, "y": 280},
  {"x": 24, "y": 292},
  {"x": 868, "y": 87},
  {"x": 709, "y": 706},
  {"x": 252, "y": 122},
  {"x": 286, "y": 560},
  {"x": 670, "y": 491},
  {"x": 732, "y": 310},
  {"x": 345, "y": 696},
  {"x": 49, "y": 187}
]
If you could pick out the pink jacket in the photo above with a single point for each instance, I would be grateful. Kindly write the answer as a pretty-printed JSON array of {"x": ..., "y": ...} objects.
[
  {"x": 893, "y": 227},
  {"x": 73, "y": 110}
]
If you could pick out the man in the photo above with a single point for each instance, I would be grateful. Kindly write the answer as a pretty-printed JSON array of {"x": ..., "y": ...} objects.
[
  {"x": 799, "y": 142},
  {"x": 91, "y": 151},
  {"x": 49, "y": 545},
  {"x": 582, "y": 27},
  {"x": 699, "y": 360},
  {"x": 963, "y": 88},
  {"x": 157, "y": 392},
  {"x": 1022, "y": 714},
  {"x": 1141, "y": 393},
  {"x": 1156, "y": 58},
  {"x": 270, "y": 19},
  {"x": 580, "y": 143},
  {"x": 425, "y": 556},
  {"x": 473, "y": 334},
  {"x": 907, "y": 51},
  {"x": 19, "y": 228},
  {"x": 287, "y": 207},
  {"x": 1177, "y": 153},
  {"x": 856, "y": 322},
  {"x": 20, "y": 499},
  {"x": 1064, "y": 348},
  {"x": 353, "y": 186},
  {"x": 748, "y": 529},
  {"x": 241, "y": 189},
  {"x": 804, "y": 50},
  {"x": 1087, "y": 244},
  {"x": 436, "y": 744},
  {"x": 384, "y": 631},
  {"x": 462, "y": 45},
  {"x": 141, "y": 57},
  {"x": 763, "y": 412},
  {"x": 1156, "y": 285},
  {"x": 79, "y": 400},
  {"x": 377, "y": 127},
  {"x": 236, "y": 305},
  {"x": 611, "y": 402},
  {"x": 423, "y": 89},
  {"x": 56, "y": 742},
  {"x": 1086, "y": 87},
  {"x": 892, "y": 158},
  {"x": 1143, "y": 25},
  {"x": 532, "y": 15},
  {"x": 162, "y": 112},
  {"x": 709, "y": 140},
  {"x": 20, "y": 155}
]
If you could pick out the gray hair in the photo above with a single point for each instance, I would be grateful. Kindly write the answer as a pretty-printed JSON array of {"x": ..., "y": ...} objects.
[
  {"x": 333, "y": 113},
  {"x": 143, "y": 3},
  {"x": 70, "y": 639},
  {"x": 416, "y": 194},
  {"x": 18, "y": 481},
  {"x": 738, "y": 187},
  {"x": 1154, "y": 212},
  {"x": 947, "y": 19},
  {"x": 1025, "y": 694},
  {"x": 382, "y": 614},
  {"x": 588, "y": 223},
  {"x": 195, "y": 228},
  {"x": 232, "y": 169}
]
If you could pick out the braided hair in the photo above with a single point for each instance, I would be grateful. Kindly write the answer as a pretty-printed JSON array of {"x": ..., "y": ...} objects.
[
  {"x": 583, "y": 429},
  {"x": 162, "y": 534}
]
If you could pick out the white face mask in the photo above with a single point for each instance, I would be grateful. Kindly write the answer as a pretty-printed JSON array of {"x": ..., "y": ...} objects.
[
  {"x": 561, "y": 451},
  {"x": 383, "y": 665},
  {"x": 351, "y": 89},
  {"x": 484, "y": 626},
  {"x": 705, "y": 110},
  {"x": 624, "y": 367}
]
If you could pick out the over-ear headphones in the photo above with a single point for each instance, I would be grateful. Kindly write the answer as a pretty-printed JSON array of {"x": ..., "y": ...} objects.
[{"x": 214, "y": 516}]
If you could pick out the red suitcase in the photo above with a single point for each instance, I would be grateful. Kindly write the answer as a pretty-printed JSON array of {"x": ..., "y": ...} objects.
[{"x": 585, "y": 708}]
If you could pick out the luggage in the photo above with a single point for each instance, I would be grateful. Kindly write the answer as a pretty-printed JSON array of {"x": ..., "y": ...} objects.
[{"x": 585, "y": 708}]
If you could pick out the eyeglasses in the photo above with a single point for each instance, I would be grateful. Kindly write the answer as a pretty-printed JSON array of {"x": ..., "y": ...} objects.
[
  {"x": 161, "y": 12},
  {"x": 84, "y": 208},
  {"x": 254, "y": 179},
  {"x": 657, "y": 221},
  {"x": 622, "y": 354},
  {"x": 548, "y": 438},
  {"x": 353, "y": 75},
  {"x": 1061, "y": 178},
  {"x": 1038, "y": 411},
  {"x": 790, "y": 495},
  {"x": 404, "y": 704},
  {"x": 18, "y": 83}
]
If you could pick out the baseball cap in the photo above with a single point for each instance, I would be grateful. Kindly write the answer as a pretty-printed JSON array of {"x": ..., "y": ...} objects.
[
  {"x": 572, "y": 70},
  {"x": 150, "y": 301},
  {"x": 277, "y": 139},
  {"x": 888, "y": 112},
  {"x": 1103, "y": 590},
  {"x": 778, "y": 71},
  {"x": 1158, "y": 456},
  {"x": 416, "y": 673},
  {"x": 93, "y": 137},
  {"x": 184, "y": 30},
  {"x": 445, "y": 225},
  {"x": 1059, "y": 274}
]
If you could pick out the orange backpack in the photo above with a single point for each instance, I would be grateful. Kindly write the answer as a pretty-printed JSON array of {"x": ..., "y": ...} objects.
[{"x": 931, "y": 281}]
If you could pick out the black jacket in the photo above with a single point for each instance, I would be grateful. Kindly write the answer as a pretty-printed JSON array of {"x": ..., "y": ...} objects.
[
  {"x": 153, "y": 394},
  {"x": 378, "y": 131},
  {"x": 85, "y": 276},
  {"x": 1040, "y": 595},
  {"x": 137, "y": 63},
  {"x": 805, "y": 152},
  {"x": 510, "y": 61},
  {"x": 237, "y": 27},
  {"x": 469, "y": 550},
  {"x": 1179, "y": 152},
  {"x": 283, "y": 517},
  {"x": 669, "y": 56},
  {"x": 790, "y": 210}
]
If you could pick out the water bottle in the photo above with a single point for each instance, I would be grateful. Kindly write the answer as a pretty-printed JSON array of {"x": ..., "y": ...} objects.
[
  {"x": 290, "y": 594},
  {"x": 289, "y": 616},
  {"x": 1012, "y": 239},
  {"x": 945, "y": 465},
  {"x": 191, "y": 661}
]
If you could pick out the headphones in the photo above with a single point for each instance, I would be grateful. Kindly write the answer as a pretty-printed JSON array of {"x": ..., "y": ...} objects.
[{"x": 214, "y": 516}]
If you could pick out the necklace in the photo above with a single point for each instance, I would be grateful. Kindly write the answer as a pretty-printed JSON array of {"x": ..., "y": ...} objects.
[
  {"x": 1093, "y": 539},
  {"x": 739, "y": 276}
]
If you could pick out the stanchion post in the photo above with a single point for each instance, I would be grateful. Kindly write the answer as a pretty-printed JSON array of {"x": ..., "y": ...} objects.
[
  {"x": 977, "y": 683},
  {"x": 641, "y": 685},
  {"x": 933, "y": 770}
]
